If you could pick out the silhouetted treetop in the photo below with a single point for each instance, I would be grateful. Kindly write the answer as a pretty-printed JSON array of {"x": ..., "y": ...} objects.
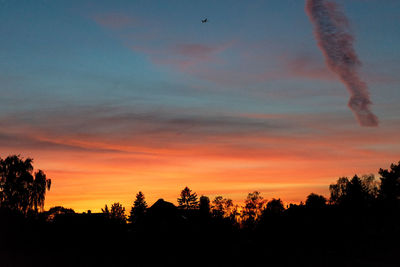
[
  {"x": 357, "y": 192},
  {"x": 274, "y": 206},
  {"x": 58, "y": 210},
  {"x": 204, "y": 205},
  {"x": 390, "y": 185},
  {"x": 116, "y": 213},
  {"x": 222, "y": 207},
  {"x": 187, "y": 199},
  {"x": 254, "y": 204},
  {"x": 139, "y": 208},
  {"x": 315, "y": 201},
  {"x": 20, "y": 188}
]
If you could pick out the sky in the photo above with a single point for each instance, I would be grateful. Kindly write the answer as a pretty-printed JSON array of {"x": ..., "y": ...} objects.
[{"x": 114, "y": 97}]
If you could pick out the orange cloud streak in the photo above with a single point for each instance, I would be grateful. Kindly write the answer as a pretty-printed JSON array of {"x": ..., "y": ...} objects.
[
  {"x": 279, "y": 167},
  {"x": 287, "y": 156}
]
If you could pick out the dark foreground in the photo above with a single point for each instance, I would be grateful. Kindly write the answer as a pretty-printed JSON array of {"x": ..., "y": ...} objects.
[{"x": 298, "y": 236}]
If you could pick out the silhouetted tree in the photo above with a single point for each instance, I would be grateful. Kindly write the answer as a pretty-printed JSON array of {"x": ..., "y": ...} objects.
[
  {"x": 357, "y": 192},
  {"x": 58, "y": 210},
  {"x": 338, "y": 191},
  {"x": 204, "y": 205},
  {"x": 188, "y": 200},
  {"x": 138, "y": 209},
  {"x": 117, "y": 212},
  {"x": 271, "y": 215},
  {"x": 390, "y": 185},
  {"x": 370, "y": 185},
  {"x": 254, "y": 204},
  {"x": 234, "y": 214},
  {"x": 106, "y": 211},
  {"x": 315, "y": 201},
  {"x": 274, "y": 206},
  {"x": 222, "y": 207},
  {"x": 20, "y": 188}
]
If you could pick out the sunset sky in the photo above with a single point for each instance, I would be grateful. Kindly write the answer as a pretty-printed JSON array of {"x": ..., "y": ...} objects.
[{"x": 113, "y": 97}]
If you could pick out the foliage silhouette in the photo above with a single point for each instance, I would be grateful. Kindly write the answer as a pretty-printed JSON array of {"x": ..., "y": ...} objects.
[
  {"x": 188, "y": 200},
  {"x": 138, "y": 209},
  {"x": 274, "y": 206},
  {"x": 116, "y": 213},
  {"x": 254, "y": 204},
  {"x": 389, "y": 191},
  {"x": 204, "y": 206},
  {"x": 60, "y": 210},
  {"x": 20, "y": 188},
  {"x": 315, "y": 201},
  {"x": 354, "y": 193},
  {"x": 222, "y": 207}
]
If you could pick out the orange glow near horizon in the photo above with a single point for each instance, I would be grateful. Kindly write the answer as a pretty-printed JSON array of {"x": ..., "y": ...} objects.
[{"x": 87, "y": 180}]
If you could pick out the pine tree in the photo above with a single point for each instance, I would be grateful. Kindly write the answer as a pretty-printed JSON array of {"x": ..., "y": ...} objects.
[
  {"x": 138, "y": 209},
  {"x": 188, "y": 200}
]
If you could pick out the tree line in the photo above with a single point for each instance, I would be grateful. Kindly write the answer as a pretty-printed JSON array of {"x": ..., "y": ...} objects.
[
  {"x": 357, "y": 194},
  {"x": 23, "y": 190},
  {"x": 357, "y": 225}
]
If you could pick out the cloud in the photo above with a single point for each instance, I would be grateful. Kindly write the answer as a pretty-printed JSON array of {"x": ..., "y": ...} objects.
[
  {"x": 28, "y": 142},
  {"x": 336, "y": 42},
  {"x": 121, "y": 130},
  {"x": 123, "y": 148},
  {"x": 185, "y": 57}
]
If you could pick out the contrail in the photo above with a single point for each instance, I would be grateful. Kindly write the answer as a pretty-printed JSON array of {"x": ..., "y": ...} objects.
[{"x": 331, "y": 30}]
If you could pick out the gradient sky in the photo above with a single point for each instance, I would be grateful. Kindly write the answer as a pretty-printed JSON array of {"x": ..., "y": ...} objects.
[{"x": 113, "y": 97}]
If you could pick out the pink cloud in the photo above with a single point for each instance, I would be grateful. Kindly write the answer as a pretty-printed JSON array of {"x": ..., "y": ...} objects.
[
  {"x": 184, "y": 57},
  {"x": 248, "y": 63},
  {"x": 254, "y": 71}
]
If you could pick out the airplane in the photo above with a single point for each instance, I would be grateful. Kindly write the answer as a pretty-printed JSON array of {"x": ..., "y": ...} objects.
[{"x": 204, "y": 20}]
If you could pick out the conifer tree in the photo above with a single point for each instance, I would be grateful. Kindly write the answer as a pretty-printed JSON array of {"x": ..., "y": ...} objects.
[
  {"x": 138, "y": 209},
  {"x": 188, "y": 200}
]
